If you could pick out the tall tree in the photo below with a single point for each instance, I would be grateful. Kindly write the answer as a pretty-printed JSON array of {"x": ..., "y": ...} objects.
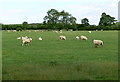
[
  {"x": 52, "y": 18},
  {"x": 106, "y": 20},
  {"x": 57, "y": 19},
  {"x": 25, "y": 25},
  {"x": 85, "y": 22}
]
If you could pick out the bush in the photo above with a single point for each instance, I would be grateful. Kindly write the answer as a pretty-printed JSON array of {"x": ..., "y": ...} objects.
[{"x": 18, "y": 29}]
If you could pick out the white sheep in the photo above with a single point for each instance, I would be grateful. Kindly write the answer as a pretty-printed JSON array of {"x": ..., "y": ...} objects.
[
  {"x": 14, "y": 31},
  {"x": 19, "y": 38},
  {"x": 40, "y": 38},
  {"x": 24, "y": 37},
  {"x": 60, "y": 31},
  {"x": 89, "y": 32},
  {"x": 26, "y": 41},
  {"x": 98, "y": 43},
  {"x": 56, "y": 31},
  {"x": 77, "y": 37},
  {"x": 62, "y": 37},
  {"x": 83, "y": 37}
]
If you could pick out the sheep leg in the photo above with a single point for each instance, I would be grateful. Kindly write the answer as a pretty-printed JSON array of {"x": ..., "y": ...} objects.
[
  {"x": 102, "y": 45},
  {"x": 22, "y": 44},
  {"x": 95, "y": 46}
]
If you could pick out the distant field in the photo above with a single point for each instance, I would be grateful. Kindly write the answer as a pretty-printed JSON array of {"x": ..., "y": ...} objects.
[{"x": 54, "y": 59}]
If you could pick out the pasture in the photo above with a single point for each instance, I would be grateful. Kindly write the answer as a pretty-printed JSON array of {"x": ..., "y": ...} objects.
[{"x": 55, "y": 59}]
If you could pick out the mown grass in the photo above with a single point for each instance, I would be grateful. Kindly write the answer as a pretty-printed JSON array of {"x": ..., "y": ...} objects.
[{"x": 54, "y": 59}]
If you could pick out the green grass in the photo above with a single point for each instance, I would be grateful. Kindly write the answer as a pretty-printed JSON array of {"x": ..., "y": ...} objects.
[{"x": 54, "y": 59}]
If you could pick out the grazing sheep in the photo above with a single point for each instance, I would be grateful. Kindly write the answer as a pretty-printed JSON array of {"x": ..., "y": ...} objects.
[
  {"x": 77, "y": 37},
  {"x": 8, "y": 31},
  {"x": 60, "y": 31},
  {"x": 62, "y": 37},
  {"x": 98, "y": 43},
  {"x": 19, "y": 38},
  {"x": 24, "y": 37},
  {"x": 26, "y": 41},
  {"x": 14, "y": 31},
  {"x": 56, "y": 31},
  {"x": 40, "y": 38},
  {"x": 89, "y": 32},
  {"x": 83, "y": 37},
  {"x": 101, "y": 29}
]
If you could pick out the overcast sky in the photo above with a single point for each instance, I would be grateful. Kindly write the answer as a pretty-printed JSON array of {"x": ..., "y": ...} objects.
[{"x": 33, "y": 11}]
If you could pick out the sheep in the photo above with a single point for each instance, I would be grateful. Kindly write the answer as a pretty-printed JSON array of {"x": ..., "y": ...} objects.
[
  {"x": 14, "y": 31},
  {"x": 26, "y": 41},
  {"x": 83, "y": 37},
  {"x": 8, "y": 31},
  {"x": 19, "y": 38},
  {"x": 77, "y": 37},
  {"x": 97, "y": 43},
  {"x": 60, "y": 31},
  {"x": 89, "y": 32},
  {"x": 56, "y": 31},
  {"x": 24, "y": 37},
  {"x": 62, "y": 37},
  {"x": 40, "y": 38}
]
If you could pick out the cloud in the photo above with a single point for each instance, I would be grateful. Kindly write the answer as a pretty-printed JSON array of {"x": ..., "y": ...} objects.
[{"x": 35, "y": 10}]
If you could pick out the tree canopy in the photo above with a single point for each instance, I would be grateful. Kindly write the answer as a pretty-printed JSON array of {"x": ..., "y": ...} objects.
[
  {"x": 85, "y": 22},
  {"x": 55, "y": 19},
  {"x": 106, "y": 20}
]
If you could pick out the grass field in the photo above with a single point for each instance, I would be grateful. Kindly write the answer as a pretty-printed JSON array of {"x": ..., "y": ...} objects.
[{"x": 54, "y": 59}]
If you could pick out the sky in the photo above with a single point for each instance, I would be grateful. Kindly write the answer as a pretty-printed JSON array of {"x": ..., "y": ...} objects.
[{"x": 33, "y": 11}]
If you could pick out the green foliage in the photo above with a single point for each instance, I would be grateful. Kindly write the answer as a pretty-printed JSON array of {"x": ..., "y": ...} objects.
[
  {"x": 25, "y": 25},
  {"x": 106, "y": 20},
  {"x": 85, "y": 22},
  {"x": 19, "y": 29},
  {"x": 55, "y": 20},
  {"x": 59, "y": 20}
]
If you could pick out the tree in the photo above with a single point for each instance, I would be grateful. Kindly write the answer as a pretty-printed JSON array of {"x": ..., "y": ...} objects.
[
  {"x": 25, "y": 25},
  {"x": 85, "y": 22},
  {"x": 52, "y": 18},
  {"x": 59, "y": 20},
  {"x": 106, "y": 20}
]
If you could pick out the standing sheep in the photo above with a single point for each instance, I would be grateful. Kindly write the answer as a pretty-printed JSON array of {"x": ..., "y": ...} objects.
[
  {"x": 83, "y": 37},
  {"x": 98, "y": 43},
  {"x": 26, "y": 41},
  {"x": 40, "y": 38},
  {"x": 89, "y": 32},
  {"x": 77, "y": 37},
  {"x": 62, "y": 37}
]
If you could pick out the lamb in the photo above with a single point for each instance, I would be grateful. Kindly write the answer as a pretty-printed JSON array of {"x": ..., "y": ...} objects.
[
  {"x": 26, "y": 41},
  {"x": 40, "y": 38},
  {"x": 62, "y": 37},
  {"x": 77, "y": 37},
  {"x": 60, "y": 31},
  {"x": 19, "y": 38},
  {"x": 83, "y": 37},
  {"x": 24, "y": 37},
  {"x": 89, "y": 32},
  {"x": 97, "y": 43}
]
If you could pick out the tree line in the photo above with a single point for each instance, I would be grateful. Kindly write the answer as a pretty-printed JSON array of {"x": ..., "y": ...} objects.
[{"x": 55, "y": 20}]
